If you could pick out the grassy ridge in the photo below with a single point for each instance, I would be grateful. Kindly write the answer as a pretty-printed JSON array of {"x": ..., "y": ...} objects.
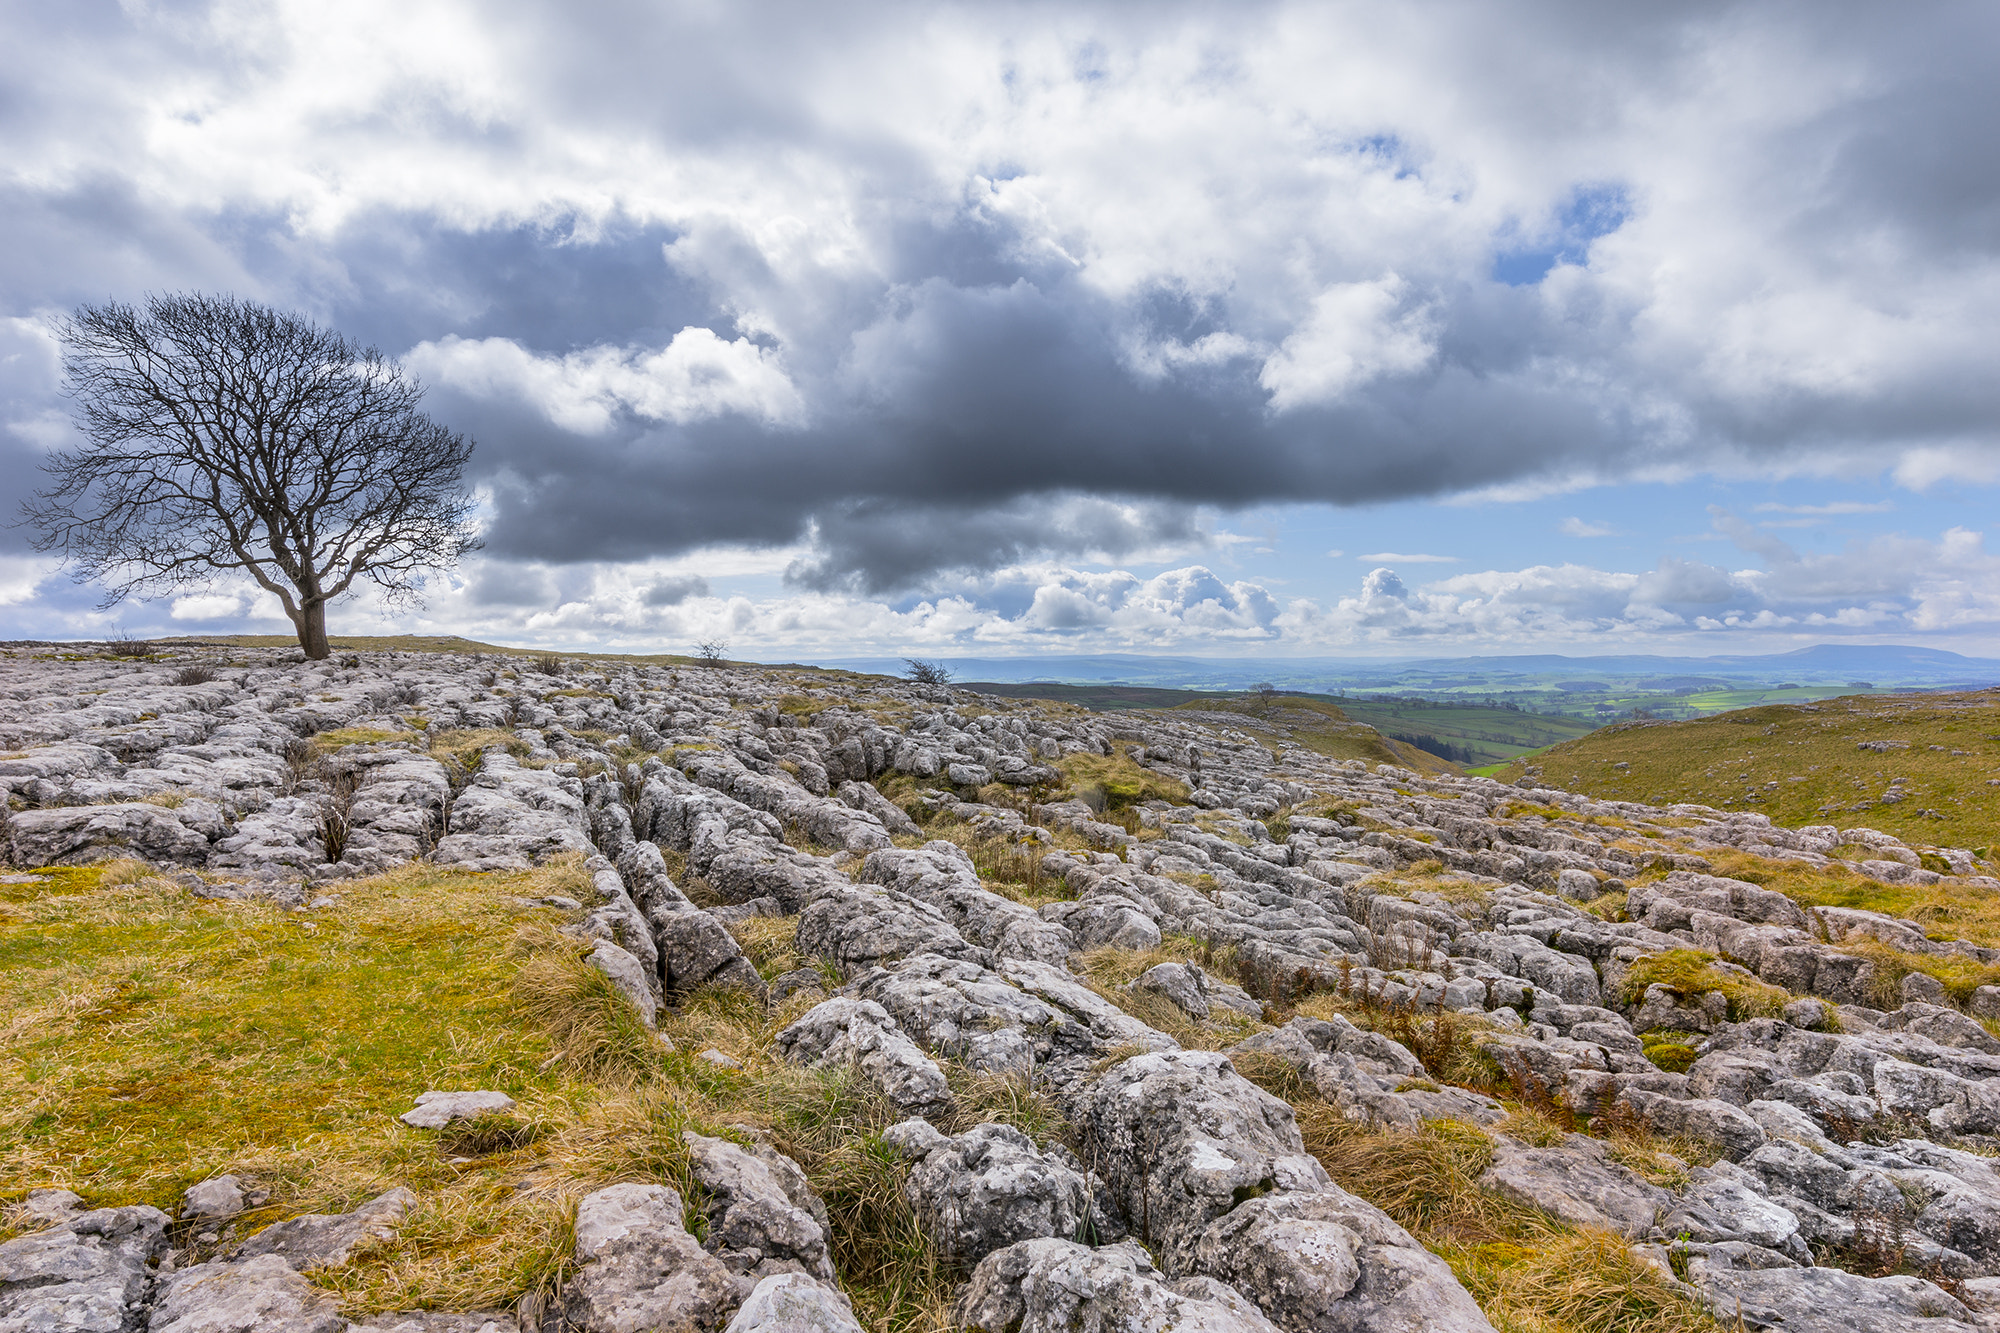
[{"x": 1925, "y": 767}]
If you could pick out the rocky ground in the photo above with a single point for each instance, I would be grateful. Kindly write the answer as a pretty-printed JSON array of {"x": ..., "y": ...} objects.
[{"x": 1781, "y": 1110}]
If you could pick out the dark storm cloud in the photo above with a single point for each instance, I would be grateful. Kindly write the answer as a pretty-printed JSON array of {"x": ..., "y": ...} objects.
[{"x": 1011, "y": 287}]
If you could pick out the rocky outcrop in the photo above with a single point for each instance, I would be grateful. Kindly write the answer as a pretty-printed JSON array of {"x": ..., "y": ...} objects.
[
  {"x": 638, "y": 1268},
  {"x": 1836, "y": 1107}
]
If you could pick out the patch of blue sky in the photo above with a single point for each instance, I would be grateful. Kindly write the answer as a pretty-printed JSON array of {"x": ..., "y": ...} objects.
[{"x": 1588, "y": 212}]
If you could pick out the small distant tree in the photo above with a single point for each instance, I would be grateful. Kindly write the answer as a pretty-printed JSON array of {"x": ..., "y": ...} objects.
[
  {"x": 1266, "y": 693},
  {"x": 919, "y": 672},
  {"x": 222, "y": 436},
  {"x": 712, "y": 653}
]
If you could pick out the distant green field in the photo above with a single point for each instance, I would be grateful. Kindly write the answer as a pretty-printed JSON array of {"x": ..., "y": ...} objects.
[{"x": 1477, "y": 734}]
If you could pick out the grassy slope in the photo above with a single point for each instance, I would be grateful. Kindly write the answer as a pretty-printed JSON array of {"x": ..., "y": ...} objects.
[
  {"x": 1494, "y": 735},
  {"x": 1320, "y": 727},
  {"x": 1803, "y": 764},
  {"x": 157, "y": 1039}
]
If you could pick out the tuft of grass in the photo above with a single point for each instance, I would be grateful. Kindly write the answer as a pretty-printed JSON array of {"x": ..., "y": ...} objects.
[
  {"x": 1586, "y": 1281},
  {"x": 770, "y": 943},
  {"x": 1959, "y": 975},
  {"x": 595, "y": 1031},
  {"x": 326, "y": 742},
  {"x": 198, "y": 674},
  {"x": 462, "y": 748},
  {"x": 1120, "y": 779},
  {"x": 486, "y": 1134},
  {"x": 1689, "y": 973}
]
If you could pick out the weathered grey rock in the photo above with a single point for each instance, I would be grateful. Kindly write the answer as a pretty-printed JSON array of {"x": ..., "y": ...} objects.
[
  {"x": 511, "y": 818},
  {"x": 264, "y": 1294},
  {"x": 218, "y": 1197},
  {"x": 45, "y": 1208},
  {"x": 638, "y": 1268},
  {"x": 628, "y": 974},
  {"x": 435, "y": 1110},
  {"x": 763, "y": 1216},
  {"x": 959, "y": 1008},
  {"x": 1720, "y": 1205},
  {"x": 1576, "y": 1182},
  {"x": 1768, "y": 1292},
  {"x": 859, "y": 927},
  {"x": 1184, "y": 986},
  {"x": 88, "y": 1274},
  {"x": 1327, "y": 1260},
  {"x": 78, "y": 835},
  {"x": 990, "y": 1187},
  {"x": 863, "y": 796},
  {"x": 1181, "y": 1138},
  {"x": 846, "y": 1031},
  {"x": 1058, "y": 1286},
  {"x": 317, "y": 1239},
  {"x": 1703, "y": 1118},
  {"x": 1579, "y": 886},
  {"x": 794, "y": 1303},
  {"x": 942, "y": 875}
]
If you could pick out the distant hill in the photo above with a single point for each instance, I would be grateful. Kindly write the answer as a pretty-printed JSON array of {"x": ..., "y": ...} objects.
[{"x": 1925, "y": 767}]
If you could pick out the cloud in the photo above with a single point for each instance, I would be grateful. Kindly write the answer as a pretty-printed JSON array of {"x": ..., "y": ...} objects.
[
  {"x": 1335, "y": 553},
  {"x": 696, "y": 375},
  {"x": 1576, "y": 527},
  {"x": 913, "y": 299},
  {"x": 1391, "y": 557}
]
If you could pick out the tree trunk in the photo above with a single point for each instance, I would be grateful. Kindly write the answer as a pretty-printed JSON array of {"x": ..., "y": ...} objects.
[{"x": 312, "y": 631}]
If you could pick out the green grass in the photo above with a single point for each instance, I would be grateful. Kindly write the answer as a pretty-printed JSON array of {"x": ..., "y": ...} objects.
[
  {"x": 1119, "y": 780},
  {"x": 1691, "y": 973},
  {"x": 1802, "y": 764},
  {"x": 1324, "y": 728},
  {"x": 155, "y": 1039}
]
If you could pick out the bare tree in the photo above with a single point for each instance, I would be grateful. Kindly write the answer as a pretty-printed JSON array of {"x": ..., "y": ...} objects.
[
  {"x": 224, "y": 436},
  {"x": 1266, "y": 694},
  {"x": 920, "y": 672},
  {"x": 712, "y": 653}
]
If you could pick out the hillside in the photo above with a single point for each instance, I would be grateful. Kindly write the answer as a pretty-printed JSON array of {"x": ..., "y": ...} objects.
[
  {"x": 445, "y": 992},
  {"x": 1923, "y": 767}
]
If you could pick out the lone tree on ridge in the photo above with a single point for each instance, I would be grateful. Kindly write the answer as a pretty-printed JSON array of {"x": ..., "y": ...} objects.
[{"x": 224, "y": 436}]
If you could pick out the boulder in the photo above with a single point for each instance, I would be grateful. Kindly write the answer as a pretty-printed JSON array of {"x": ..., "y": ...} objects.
[
  {"x": 638, "y": 1269},
  {"x": 844, "y": 1030},
  {"x": 264, "y": 1294},
  {"x": 435, "y": 1110},
  {"x": 1576, "y": 1182},
  {"x": 1058, "y": 1286},
  {"x": 1327, "y": 1260},
  {"x": 794, "y": 1303},
  {"x": 763, "y": 1216},
  {"x": 989, "y": 1188},
  {"x": 88, "y": 1274}
]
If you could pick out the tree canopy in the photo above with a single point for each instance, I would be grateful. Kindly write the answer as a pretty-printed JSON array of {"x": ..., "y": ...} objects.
[{"x": 225, "y": 437}]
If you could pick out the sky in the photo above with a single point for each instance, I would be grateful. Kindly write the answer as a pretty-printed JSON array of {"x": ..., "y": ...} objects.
[{"x": 1237, "y": 330}]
